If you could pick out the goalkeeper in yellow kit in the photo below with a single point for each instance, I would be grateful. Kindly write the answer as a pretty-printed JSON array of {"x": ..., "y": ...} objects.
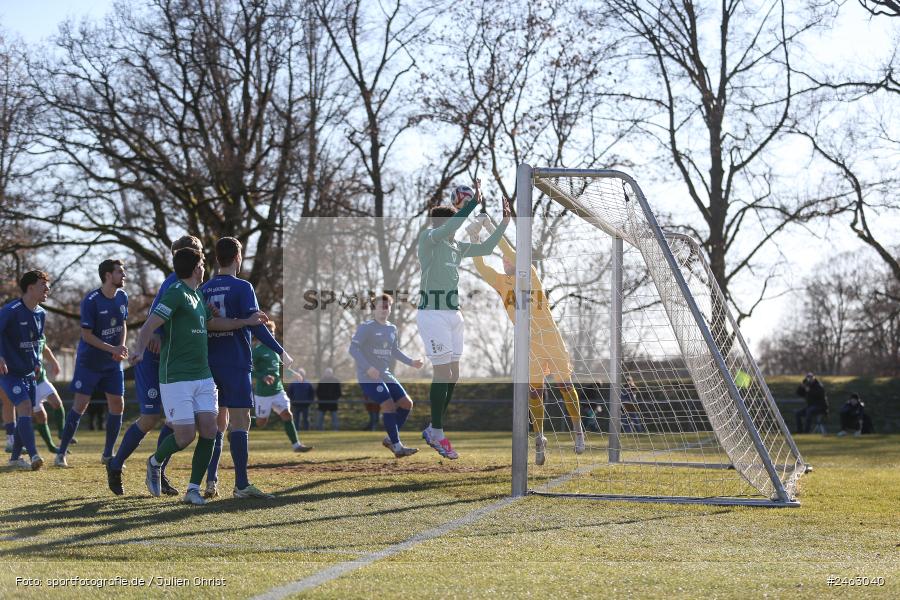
[{"x": 548, "y": 356}]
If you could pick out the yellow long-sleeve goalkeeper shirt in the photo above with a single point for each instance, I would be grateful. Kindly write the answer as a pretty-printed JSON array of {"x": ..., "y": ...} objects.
[{"x": 547, "y": 345}]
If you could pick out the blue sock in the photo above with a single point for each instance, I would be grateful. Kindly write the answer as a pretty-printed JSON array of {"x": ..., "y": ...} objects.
[
  {"x": 10, "y": 428},
  {"x": 113, "y": 427},
  {"x": 17, "y": 445},
  {"x": 402, "y": 414},
  {"x": 25, "y": 431},
  {"x": 238, "y": 443},
  {"x": 72, "y": 421},
  {"x": 212, "y": 471},
  {"x": 390, "y": 425},
  {"x": 130, "y": 441}
]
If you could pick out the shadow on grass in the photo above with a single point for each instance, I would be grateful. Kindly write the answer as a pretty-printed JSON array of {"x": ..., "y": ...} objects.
[{"x": 124, "y": 516}]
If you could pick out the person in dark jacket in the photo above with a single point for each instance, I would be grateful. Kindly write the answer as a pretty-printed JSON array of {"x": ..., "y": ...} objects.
[
  {"x": 302, "y": 395},
  {"x": 854, "y": 418},
  {"x": 812, "y": 390},
  {"x": 328, "y": 392}
]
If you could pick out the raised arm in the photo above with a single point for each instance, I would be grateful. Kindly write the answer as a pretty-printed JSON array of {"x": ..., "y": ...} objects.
[
  {"x": 452, "y": 224},
  {"x": 509, "y": 253},
  {"x": 488, "y": 245}
]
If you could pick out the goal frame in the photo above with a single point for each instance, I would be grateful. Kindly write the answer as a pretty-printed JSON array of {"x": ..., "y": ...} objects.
[{"x": 525, "y": 185}]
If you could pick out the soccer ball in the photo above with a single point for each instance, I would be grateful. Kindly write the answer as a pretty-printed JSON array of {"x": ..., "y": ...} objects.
[{"x": 460, "y": 195}]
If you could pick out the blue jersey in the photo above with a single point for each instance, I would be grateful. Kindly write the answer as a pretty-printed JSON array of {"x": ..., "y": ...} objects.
[
  {"x": 105, "y": 318},
  {"x": 21, "y": 330},
  {"x": 234, "y": 298},
  {"x": 152, "y": 356},
  {"x": 376, "y": 345}
]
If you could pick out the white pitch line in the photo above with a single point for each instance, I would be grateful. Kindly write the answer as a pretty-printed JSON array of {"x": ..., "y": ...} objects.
[
  {"x": 343, "y": 568},
  {"x": 340, "y": 569}
]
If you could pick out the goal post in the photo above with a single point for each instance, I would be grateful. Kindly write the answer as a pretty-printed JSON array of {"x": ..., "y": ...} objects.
[{"x": 671, "y": 405}]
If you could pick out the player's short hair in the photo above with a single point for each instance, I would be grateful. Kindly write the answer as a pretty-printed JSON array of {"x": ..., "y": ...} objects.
[
  {"x": 108, "y": 266},
  {"x": 32, "y": 277},
  {"x": 227, "y": 250},
  {"x": 439, "y": 214},
  {"x": 385, "y": 297},
  {"x": 185, "y": 261},
  {"x": 187, "y": 241}
]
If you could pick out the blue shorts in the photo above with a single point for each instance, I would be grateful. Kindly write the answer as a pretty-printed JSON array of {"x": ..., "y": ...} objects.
[
  {"x": 85, "y": 381},
  {"x": 235, "y": 387},
  {"x": 379, "y": 391},
  {"x": 18, "y": 389},
  {"x": 146, "y": 382}
]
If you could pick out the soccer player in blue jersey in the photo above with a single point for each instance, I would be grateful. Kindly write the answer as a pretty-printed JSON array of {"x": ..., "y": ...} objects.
[
  {"x": 146, "y": 379},
  {"x": 21, "y": 331},
  {"x": 189, "y": 394},
  {"x": 98, "y": 363},
  {"x": 374, "y": 348},
  {"x": 231, "y": 364}
]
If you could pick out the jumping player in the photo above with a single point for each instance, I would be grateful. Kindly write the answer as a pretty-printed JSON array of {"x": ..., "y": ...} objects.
[
  {"x": 439, "y": 319},
  {"x": 231, "y": 364},
  {"x": 548, "y": 356},
  {"x": 98, "y": 363},
  {"x": 269, "y": 392},
  {"x": 21, "y": 329},
  {"x": 374, "y": 347},
  {"x": 146, "y": 379},
  {"x": 188, "y": 391}
]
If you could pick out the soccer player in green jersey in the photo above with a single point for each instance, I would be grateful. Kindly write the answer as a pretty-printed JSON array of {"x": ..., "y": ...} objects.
[
  {"x": 268, "y": 391},
  {"x": 439, "y": 319},
  {"x": 188, "y": 392},
  {"x": 46, "y": 392}
]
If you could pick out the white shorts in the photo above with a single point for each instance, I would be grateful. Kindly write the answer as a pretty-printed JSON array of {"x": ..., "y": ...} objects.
[
  {"x": 183, "y": 399},
  {"x": 43, "y": 391},
  {"x": 266, "y": 404},
  {"x": 442, "y": 333}
]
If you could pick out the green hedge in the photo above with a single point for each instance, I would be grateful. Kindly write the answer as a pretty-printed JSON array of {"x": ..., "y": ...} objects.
[{"x": 487, "y": 406}]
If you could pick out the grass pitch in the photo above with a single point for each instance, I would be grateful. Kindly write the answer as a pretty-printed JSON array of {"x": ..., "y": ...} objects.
[{"x": 350, "y": 498}]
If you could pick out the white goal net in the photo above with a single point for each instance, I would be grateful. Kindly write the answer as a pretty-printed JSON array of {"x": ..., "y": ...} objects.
[{"x": 670, "y": 403}]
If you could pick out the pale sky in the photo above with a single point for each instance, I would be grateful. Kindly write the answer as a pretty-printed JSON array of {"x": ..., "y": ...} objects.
[{"x": 856, "y": 40}]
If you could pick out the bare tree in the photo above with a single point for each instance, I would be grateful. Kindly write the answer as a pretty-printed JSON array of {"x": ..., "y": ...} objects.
[
  {"x": 17, "y": 136},
  {"x": 890, "y": 8},
  {"x": 178, "y": 117},
  {"x": 724, "y": 98},
  {"x": 849, "y": 124}
]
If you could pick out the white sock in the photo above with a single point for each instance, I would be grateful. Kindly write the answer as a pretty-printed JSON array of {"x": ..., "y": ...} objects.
[
  {"x": 398, "y": 446},
  {"x": 153, "y": 461},
  {"x": 297, "y": 444},
  {"x": 193, "y": 486},
  {"x": 437, "y": 434}
]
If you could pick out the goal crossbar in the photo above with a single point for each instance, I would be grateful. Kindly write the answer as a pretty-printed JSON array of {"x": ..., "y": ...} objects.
[{"x": 630, "y": 219}]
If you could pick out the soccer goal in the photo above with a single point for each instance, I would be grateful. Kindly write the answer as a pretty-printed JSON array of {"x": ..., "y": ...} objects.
[{"x": 673, "y": 407}]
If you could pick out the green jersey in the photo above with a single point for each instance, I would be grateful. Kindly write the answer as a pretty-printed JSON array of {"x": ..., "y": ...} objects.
[
  {"x": 266, "y": 362},
  {"x": 439, "y": 258},
  {"x": 184, "y": 346}
]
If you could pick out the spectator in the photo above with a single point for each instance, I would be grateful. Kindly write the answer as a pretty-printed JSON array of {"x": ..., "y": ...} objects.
[
  {"x": 328, "y": 392},
  {"x": 302, "y": 395},
  {"x": 854, "y": 418},
  {"x": 373, "y": 408},
  {"x": 816, "y": 403}
]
